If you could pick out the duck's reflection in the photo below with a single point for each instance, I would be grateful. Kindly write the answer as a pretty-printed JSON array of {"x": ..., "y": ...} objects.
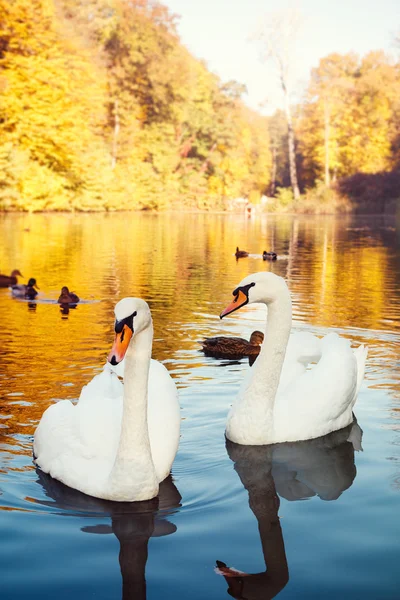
[
  {"x": 322, "y": 467},
  {"x": 133, "y": 523},
  {"x": 65, "y": 308},
  {"x": 236, "y": 360}
]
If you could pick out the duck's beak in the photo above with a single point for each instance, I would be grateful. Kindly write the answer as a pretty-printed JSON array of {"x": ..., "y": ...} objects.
[
  {"x": 120, "y": 346},
  {"x": 240, "y": 300},
  {"x": 36, "y": 286}
]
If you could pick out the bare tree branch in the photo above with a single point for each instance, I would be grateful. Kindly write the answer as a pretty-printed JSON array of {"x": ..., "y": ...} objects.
[{"x": 276, "y": 38}]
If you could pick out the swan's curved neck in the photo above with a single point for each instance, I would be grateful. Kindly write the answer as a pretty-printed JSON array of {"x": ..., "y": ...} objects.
[
  {"x": 250, "y": 420},
  {"x": 268, "y": 367},
  {"x": 133, "y": 473}
]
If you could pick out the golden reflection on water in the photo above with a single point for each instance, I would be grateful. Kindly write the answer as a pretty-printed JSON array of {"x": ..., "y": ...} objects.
[{"x": 184, "y": 266}]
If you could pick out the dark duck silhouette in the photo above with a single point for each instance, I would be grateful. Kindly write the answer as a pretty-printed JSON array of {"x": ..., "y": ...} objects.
[
  {"x": 67, "y": 297},
  {"x": 240, "y": 253},
  {"x": 7, "y": 280},
  {"x": 269, "y": 255},
  {"x": 25, "y": 291},
  {"x": 233, "y": 347}
]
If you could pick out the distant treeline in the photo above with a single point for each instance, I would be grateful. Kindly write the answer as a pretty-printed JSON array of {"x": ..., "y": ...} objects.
[
  {"x": 347, "y": 135},
  {"x": 102, "y": 108}
]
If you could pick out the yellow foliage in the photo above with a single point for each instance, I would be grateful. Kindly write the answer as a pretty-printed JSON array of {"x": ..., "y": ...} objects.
[
  {"x": 349, "y": 123},
  {"x": 103, "y": 109}
]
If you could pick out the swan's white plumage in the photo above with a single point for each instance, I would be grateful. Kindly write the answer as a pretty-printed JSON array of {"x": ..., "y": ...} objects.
[
  {"x": 307, "y": 400},
  {"x": 78, "y": 444},
  {"x": 321, "y": 398}
]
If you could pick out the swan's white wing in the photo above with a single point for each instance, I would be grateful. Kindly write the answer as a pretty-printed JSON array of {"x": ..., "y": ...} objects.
[
  {"x": 321, "y": 399},
  {"x": 164, "y": 418},
  {"x": 71, "y": 434},
  {"x": 55, "y": 431},
  {"x": 303, "y": 348},
  {"x": 99, "y": 414},
  {"x": 361, "y": 356},
  {"x": 68, "y": 435}
]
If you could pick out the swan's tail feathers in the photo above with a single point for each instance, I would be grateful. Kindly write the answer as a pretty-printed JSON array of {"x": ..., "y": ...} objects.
[
  {"x": 222, "y": 569},
  {"x": 361, "y": 356},
  {"x": 355, "y": 437}
]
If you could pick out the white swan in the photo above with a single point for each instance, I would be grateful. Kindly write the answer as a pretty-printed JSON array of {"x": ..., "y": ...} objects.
[
  {"x": 113, "y": 444},
  {"x": 302, "y": 403}
]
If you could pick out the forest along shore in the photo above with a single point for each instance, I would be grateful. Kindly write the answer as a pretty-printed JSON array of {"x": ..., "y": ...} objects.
[{"x": 103, "y": 108}]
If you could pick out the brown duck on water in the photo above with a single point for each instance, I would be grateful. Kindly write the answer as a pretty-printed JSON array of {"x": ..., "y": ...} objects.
[
  {"x": 67, "y": 297},
  {"x": 233, "y": 347},
  {"x": 7, "y": 280},
  {"x": 269, "y": 255},
  {"x": 240, "y": 253}
]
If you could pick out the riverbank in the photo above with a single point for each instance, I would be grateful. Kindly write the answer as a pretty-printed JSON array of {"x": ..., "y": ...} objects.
[{"x": 362, "y": 193}]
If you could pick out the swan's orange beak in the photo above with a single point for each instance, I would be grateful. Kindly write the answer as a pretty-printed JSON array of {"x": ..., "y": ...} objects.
[
  {"x": 120, "y": 345},
  {"x": 240, "y": 300}
]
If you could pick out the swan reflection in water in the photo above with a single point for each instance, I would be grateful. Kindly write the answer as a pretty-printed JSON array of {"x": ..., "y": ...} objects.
[
  {"x": 321, "y": 467},
  {"x": 133, "y": 523}
]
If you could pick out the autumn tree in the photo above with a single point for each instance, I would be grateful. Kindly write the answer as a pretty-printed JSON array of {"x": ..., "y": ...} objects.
[
  {"x": 103, "y": 108},
  {"x": 348, "y": 123}
]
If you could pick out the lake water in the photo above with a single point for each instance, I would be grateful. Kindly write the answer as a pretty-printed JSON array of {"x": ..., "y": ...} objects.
[{"x": 310, "y": 520}]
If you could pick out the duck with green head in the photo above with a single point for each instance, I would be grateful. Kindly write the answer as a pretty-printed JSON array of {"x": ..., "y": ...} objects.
[{"x": 28, "y": 290}]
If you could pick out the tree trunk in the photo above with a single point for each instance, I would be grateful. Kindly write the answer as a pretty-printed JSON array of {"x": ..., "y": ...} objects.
[
  {"x": 115, "y": 137},
  {"x": 204, "y": 165},
  {"x": 292, "y": 152},
  {"x": 273, "y": 172},
  {"x": 326, "y": 136}
]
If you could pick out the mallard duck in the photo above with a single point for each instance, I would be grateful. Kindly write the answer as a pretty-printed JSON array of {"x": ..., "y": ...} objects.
[
  {"x": 269, "y": 255},
  {"x": 240, "y": 253},
  {"x": 67, "y": 297},
  {"x": 25, "y": 291},
  {"x": 7, "y": 280},
  {"x": 226, "y": 347}
]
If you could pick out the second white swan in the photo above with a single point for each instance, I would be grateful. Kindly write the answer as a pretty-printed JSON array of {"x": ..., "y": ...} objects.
[
  {"x": 119, "y": 441},
  {"x": 298, "y": 403}
]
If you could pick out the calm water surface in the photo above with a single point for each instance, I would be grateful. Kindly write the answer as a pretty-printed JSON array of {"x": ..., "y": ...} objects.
[{"x": 310, "y": 520}]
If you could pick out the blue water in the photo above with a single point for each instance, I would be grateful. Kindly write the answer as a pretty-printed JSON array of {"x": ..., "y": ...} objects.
[{"x": 316, "y": 519}]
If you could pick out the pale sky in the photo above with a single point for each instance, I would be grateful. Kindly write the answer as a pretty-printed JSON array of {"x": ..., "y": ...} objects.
[{"x": 218, "y": 31}]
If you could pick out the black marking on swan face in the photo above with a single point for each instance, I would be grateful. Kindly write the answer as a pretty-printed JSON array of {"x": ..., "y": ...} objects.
[
  {"x": 119, "y": 325},
  {"x": 244, "y": 289}
]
